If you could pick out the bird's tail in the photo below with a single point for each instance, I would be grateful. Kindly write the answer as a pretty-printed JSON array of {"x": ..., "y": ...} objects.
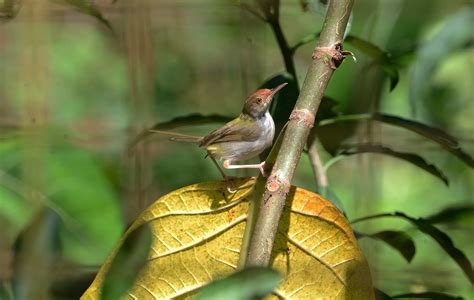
[
  {"x": 179, "y": 137},
  {"x": 174, "y": 136}
]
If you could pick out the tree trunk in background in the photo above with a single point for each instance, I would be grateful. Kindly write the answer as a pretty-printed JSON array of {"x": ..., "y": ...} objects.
[
  {"x": 34, "y": 258},
  {"x": 137, "y": 42}
]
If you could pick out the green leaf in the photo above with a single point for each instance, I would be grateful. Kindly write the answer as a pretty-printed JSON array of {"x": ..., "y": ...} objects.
[
  {"x": 80, "y": 189},
  {"x": 369, "y": 49},
  {"x": 36, "y": 252},
  {"x": 392, "y": 72},
  {"x": 127, "y": 264},
  {"x": 6, "y": 292},
  {"x": 454, "y": 35},
  {"x": 15, "y": 213},
  {"x": 380, "y": 57},
  {"x": 399, "y": 240},
  {"x": 10, "y": 152},
  {"x": 443, "y": 240},
  {"x": 380, "y": 295},
  {"x": 427, "y": 295},
  {"x": 437, "y": 135},
  {"x": 245, "y": 284},
  {"x": 89, "y": 8},
  {"x": 326, "y": 109},
  {"x": 452, "y": 214},
  {"x": 409, "y": 157}
]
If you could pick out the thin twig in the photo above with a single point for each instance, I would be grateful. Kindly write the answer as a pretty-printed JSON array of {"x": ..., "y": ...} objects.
[
  {"x": 373, "y": 217},
  {"x": 307, "y": 39},
  {"x": 248, "y": 8},
  {"x": 301, "y": 120}
]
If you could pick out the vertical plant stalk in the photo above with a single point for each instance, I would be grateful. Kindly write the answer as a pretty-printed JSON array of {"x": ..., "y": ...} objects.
[
  {"x": 35, "y": 255},
  {"x": 319, "y": 170},
  {"x": 271, "y": 11},
  {"x": 327, "y": 56},
  {"x": 139, "y": 52},
  {"x": 284, "y": 48}
]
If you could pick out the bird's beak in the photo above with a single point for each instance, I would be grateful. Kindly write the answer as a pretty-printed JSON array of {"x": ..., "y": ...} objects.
[{"x": 277, "y": 89}]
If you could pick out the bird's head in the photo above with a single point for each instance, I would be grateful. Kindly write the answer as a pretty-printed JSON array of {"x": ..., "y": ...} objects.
[{"x": 258, "y": 103}]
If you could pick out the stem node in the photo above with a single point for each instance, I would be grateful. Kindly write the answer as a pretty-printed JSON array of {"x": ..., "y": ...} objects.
[
  {"x": 304, "y": 116},
  {"x": 332, "y": 56}
]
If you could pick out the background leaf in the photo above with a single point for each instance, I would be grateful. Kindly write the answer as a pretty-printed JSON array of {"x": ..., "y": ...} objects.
[
  {"x": 409, "y": 157},
  {"x": 249, "y": 283},
  {"x": 435, "y": 134},
  {"x": 126, "y": 266},
  {"x": 87, "y": 235},
  {"x": 380, "y": 57},
  {"x": 398, "y": 240},
  {"x": 439, "y": 236},
  {"x": 380, "y": 295},
  {"x": 427, "y": 295},
  {"x": 452, "y": 214},
  {"x": 453, "y": 35},
  {"x": 33, "y": 269}
]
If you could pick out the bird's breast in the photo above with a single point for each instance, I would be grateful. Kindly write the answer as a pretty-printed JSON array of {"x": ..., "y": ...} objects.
[
  {"x": 268, "y": 130},
  {"x": 246, "y": 149}
]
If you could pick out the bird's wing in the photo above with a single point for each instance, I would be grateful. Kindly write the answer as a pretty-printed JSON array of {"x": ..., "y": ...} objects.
[{"x": 239, "y": 129}]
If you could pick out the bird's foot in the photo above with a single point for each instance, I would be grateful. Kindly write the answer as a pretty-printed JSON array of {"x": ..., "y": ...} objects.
[
  {"x": 231, "y": 189},
  {"x": 230, "y": 185},
  {"x": 261, "y": 167}
]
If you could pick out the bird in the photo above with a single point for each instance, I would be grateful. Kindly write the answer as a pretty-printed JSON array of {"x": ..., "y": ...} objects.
[{"x": 242, "y": 138}]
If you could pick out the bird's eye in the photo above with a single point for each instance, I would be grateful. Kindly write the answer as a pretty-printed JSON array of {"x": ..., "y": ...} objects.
[{"x": 259, "y": 100}]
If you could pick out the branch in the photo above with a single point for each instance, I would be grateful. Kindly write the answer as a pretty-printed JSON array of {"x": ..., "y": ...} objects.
[
  {"x": 328, "y": 55},
  {"x": 271, "y": 10},
  {"x": 285, "y": 49}
]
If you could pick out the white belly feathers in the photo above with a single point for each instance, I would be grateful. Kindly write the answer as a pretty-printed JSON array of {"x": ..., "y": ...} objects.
[{"x": 247, "y": 149}]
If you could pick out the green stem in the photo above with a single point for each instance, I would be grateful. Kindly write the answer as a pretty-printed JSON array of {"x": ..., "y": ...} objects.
[
  {"x": 307, "y": 39},
  {"x": 332, "y": 161},
  {"x": 346, "y": 118},
  {"x": 373, "y": 217},
  {"x": 286, "y": 52},
  {"x": 294, "y": 140},
  {"x": 319, "y": 170}
]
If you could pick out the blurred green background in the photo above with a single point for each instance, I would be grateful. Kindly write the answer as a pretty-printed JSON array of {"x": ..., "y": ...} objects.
[{"x": 74, "y": 93}]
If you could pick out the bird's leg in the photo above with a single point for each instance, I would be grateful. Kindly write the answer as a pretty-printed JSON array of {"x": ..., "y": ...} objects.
[
  {"x": 230, "y": 187},
  {"x": 218, "y": 167},
  {"x": 260, "y": 166}
]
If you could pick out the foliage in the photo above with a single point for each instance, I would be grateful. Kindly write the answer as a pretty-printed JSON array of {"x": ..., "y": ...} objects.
[
  {"x": 198, "y": 234},
  {"x": 85, "y": 186},
  {"x": 249, "y": 283}
]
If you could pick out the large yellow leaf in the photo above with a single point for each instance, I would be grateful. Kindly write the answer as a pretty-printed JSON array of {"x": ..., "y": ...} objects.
[{"x": 198, "y": 233}]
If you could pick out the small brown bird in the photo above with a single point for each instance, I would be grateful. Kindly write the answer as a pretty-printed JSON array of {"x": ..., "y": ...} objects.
[{"x": 242, "y": 138}]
